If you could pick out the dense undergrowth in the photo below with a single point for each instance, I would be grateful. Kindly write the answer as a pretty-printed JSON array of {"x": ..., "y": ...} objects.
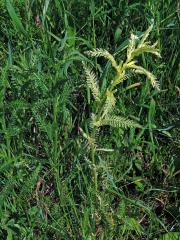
[{"x": 46, "y": 170}]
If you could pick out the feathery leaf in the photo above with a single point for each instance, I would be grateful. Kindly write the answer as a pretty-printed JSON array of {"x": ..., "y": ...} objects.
[
  {"x": 99, "y": 52},
  {"x": 132, "y": 45},
  {"x": 145, "y": 35},
  {"x": 119, "y": 79},
  {"x": 149, "y": 75},
  {"x": 117, "y": 121},
  {"x": 145, "y": 48},
  {"x": 92, "y": 82},
  {"x": 109, "y": 104}
]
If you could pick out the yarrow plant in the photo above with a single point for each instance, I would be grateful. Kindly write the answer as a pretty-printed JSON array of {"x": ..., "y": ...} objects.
[{"x": 106, "y": 101}]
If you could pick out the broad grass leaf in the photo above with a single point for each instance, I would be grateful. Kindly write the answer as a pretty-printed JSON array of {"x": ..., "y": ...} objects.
[
  {"x": 45, "y": 8},
  {"x": 15, "y": 19},
  {"x": 132, "y": 224},
  {"x": 117, "y": 34}
]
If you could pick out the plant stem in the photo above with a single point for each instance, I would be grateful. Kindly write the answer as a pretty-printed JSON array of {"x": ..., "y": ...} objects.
[{"x": 93, "y": 161}]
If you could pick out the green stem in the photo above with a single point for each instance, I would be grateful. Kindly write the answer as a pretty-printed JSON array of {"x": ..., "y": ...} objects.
[
  {"x": 55, "y": 153},
  {"x": 93, "y": 161},
  {"x": 99, "y": 111}
]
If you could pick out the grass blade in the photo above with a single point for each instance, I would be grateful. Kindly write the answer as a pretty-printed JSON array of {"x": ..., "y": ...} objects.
[{"x": 15, "y": 19}]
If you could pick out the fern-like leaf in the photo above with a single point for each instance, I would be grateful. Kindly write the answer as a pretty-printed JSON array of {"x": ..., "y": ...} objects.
[
  {"x": 121, "y": 122},
  {"x": 109, "y": 104},
  {"x": 145, "y": 48},
  {"x": 99, "y": 52},
  {"x": 92, "y": 82},
  {"x": 142, "y": 47},
  {"x": 132, "y": 46},
  {"x": 149, "y": 75},
  {"x": 120, "y": 78},
  {"x": 145, "y": 36}
]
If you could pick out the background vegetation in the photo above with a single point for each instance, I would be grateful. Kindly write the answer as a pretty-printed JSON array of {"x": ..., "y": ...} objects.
[{"x": 47, "y": 188}]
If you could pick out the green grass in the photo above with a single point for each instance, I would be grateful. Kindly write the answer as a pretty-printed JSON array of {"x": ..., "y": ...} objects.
[{"x": 47, "y": 186}]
